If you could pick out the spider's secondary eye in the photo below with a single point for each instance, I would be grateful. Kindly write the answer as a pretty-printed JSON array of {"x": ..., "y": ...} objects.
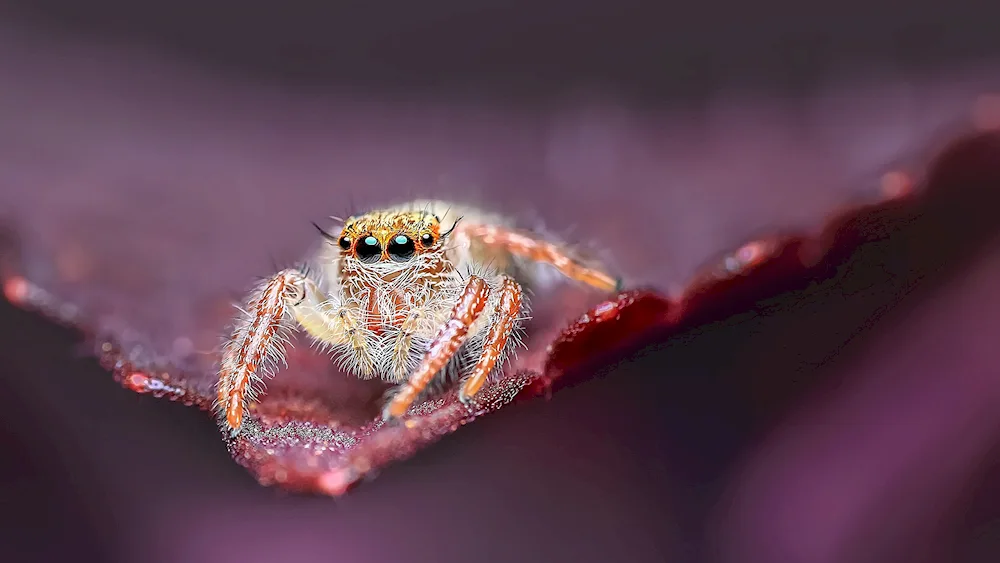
[
  {"x": 368, "y": 249},
  {"x": 345, "y": 243},
  {"x": 427, "y": 239},
  {"x": 401, "y": 248}
]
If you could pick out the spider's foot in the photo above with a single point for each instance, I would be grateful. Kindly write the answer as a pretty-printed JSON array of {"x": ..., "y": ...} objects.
[
  {"x": 394, "y": 409},
  {"x": 228, "y": 430},
  {"x": 387, "y": 414},
  {"x": 472, "y": 387},
  {"x": 468, "y": 391}
]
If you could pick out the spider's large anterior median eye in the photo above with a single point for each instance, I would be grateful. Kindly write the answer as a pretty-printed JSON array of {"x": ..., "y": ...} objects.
[
  {"x": 368, "y": 249},
  {"x": 401, "y": 248}
]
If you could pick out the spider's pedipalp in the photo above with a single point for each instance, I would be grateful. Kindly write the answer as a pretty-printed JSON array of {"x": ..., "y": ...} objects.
[{"x": 404, "y": 343}]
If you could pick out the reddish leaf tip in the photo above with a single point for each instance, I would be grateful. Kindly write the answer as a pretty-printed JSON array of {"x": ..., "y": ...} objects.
[{"x": 15, "y": 289}]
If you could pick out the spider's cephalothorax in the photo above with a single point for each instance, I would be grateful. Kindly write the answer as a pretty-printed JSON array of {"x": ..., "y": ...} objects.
[{"x": 404, "y": 294}]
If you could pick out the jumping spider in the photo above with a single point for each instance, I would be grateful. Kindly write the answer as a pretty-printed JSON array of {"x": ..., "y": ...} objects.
[{"x": 398, "y": 297}]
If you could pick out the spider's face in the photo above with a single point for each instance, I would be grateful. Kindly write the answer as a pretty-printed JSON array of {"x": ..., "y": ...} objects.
[{"x": 391, "y": 237}]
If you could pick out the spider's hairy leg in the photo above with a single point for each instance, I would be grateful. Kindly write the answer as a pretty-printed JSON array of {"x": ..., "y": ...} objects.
[
  {"x": 258, "y": 341},
  {"x": 528, "y": 246},
  {"x": 449, "y": 339},
  {"x": 253, "y": 342},
  {"x": 508, "y": 309}
]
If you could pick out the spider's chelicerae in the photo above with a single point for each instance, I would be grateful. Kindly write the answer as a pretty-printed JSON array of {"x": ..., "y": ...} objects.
[{"x": 409, "y": 294}]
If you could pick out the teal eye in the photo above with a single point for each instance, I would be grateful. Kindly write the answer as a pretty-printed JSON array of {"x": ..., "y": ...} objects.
[
  {"x": 368, "y": 249},
  {"x": 401, "y": 248}
]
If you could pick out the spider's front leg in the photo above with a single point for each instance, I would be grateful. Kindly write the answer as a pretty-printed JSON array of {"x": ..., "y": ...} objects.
[
  {"x": 508, "y": 309},
  {"x": 258, "y": 341},
  {"x": 444, "y": 346},
  {"x": 255, "y": 341}
]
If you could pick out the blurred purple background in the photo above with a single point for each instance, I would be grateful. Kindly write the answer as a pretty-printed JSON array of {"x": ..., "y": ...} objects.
[{"x": 155, "y": 158}]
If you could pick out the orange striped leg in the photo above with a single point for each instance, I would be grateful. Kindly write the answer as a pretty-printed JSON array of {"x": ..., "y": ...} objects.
[
  {"x": 255, "y": 342},
  {"x": 451, "y": 337},
  {"x": 508, "y": 309},
  {"x": 523, "y": 244}
]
